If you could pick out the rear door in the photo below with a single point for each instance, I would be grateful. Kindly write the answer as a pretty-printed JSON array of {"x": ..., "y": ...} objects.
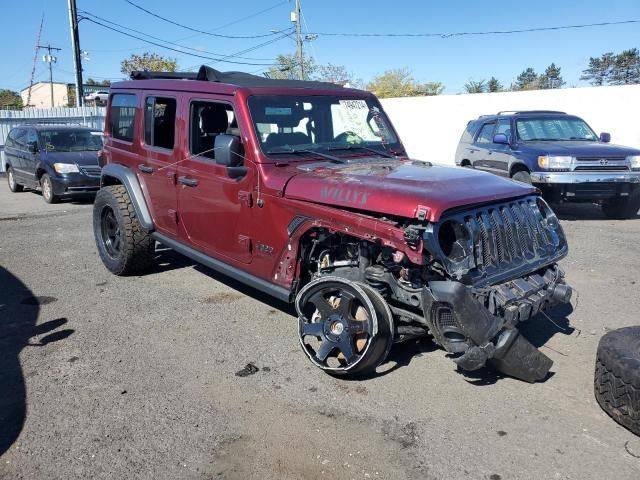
[{"x": 500, "y": 155}]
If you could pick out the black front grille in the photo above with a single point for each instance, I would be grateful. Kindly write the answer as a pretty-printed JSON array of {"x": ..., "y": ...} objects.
[
  {"x": 597, "y": 159},
  {"x": 601, "y": 168},
  {"x": 91, "y": 171}
]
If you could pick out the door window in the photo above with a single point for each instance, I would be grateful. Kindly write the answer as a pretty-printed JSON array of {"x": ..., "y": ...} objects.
[
  {"x": 31, "y": 137},
  {"x": 504, "y": 126},
  {"x": 486, "y": 133},
  {"x": 122, "y": 116},
  {"x": 207, "y": 121},
  {"x": 160, "y": 122},
  {"x": 18, "y": 136}
]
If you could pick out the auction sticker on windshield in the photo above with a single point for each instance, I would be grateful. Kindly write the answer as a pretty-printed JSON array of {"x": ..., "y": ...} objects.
[{"x": 351, "y": 116}]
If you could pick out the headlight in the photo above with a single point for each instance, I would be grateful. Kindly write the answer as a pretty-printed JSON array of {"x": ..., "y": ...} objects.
[
  {"x": 555, "y": 162},
  {"x": 65, "y": 167},
  {"x": 634, "y": 160}
]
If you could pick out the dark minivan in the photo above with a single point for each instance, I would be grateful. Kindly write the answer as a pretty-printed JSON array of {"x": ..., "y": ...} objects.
[
  {"x": 62, "y": 160},
  {"x": 558, "y": 153}
]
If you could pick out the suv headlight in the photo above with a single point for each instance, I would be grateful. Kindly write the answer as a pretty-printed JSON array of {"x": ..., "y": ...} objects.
[
  {"x": 634, "y": 161},
  {"x": 555, "y": 162},
  {"x": 65, "y": 167}
]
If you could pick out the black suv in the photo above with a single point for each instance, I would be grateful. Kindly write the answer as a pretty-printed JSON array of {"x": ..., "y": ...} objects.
[
  {"x": 558, "y": 153},
  {"x": 62, "y": 160}
]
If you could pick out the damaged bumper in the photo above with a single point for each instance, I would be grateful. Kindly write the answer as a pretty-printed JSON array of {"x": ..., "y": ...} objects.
[{"x": 480, "y": 324}]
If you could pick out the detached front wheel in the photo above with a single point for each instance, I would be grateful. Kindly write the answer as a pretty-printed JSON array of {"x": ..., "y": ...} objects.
[
  {"x": 345, "y": 327},
  {"x": 123, "y": 245}
]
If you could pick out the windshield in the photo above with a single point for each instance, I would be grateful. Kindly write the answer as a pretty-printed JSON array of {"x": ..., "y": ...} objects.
[
  {"x": 554, "y": 129},
  {"x": 321, "y": 122},
  {"x": 71, "y": 140}
]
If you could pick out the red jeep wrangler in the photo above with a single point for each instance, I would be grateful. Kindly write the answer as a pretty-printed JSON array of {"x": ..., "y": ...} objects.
[{"x": 304, "y": 191}]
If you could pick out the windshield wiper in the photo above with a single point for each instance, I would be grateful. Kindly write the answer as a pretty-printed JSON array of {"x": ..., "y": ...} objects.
[
  {"x": 296, "y": 151},
  {"x": 360, "y": 147}
]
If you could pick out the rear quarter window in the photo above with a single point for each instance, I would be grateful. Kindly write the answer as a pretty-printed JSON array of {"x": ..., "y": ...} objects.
[
  {"x": 122, "y": 114},
  {"x": 470, "y": 132}
]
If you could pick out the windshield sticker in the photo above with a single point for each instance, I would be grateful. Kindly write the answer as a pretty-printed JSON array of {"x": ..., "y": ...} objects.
[
  {"x": 354, "y": 104},
  {"x": 350, "y": 118},
  {"x": 277, "y": 111}
]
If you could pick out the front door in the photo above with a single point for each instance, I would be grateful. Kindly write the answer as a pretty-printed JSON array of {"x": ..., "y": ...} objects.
[
  {"x": 484, "y": 144},
  {"x": 213, "y": 208},
  {"x": 498, "y": 161},
  {"x": 161, "y": 155},
  {"x": 30, "y": 155}
]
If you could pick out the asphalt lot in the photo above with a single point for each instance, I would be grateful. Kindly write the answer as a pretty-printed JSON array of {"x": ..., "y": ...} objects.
[{"x": 105, "y": 377}]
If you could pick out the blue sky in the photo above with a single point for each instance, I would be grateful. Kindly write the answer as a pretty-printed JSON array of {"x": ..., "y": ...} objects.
[{"x": 452, "y": 61}]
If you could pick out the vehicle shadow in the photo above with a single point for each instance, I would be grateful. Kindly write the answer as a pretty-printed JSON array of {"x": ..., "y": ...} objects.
[
  {"x": 19, "y": 309},
  {"x": 167, "y": 260},
  {"x": 579, "y": 211}
]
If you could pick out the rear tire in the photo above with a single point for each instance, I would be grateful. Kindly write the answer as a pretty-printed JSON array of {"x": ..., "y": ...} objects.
[
  {"x": 617, "y": 376},
  {"x": 622, "y": 208},
  {"x": 11, "y": 180},
  {"x": 123, "y": 245},
  {"x": 47, "y": 189},
  {"x": 523, "y": 177}
]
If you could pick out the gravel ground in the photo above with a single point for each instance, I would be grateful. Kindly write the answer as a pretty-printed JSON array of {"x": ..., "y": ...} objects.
[{"x": 107, "y": 377}]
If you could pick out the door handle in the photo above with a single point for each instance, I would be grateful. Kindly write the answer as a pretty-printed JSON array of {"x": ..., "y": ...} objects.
[
  {"x": 489, "y": 152},
  {"x": 472, "y": 150},
  {"x": 188, "y": 182},
  {"x": 145, "y": 168}
]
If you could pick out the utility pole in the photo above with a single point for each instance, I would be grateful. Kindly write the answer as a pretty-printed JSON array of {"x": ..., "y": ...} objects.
[
  {"x": 295, "y": 17},
  {"x": 75, "y": 43},
  {"x": 50, "y": 59},
  {"x": 35, "y": 60}
]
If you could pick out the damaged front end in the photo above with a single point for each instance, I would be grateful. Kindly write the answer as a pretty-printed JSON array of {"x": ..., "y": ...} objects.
[{"x": 500, "y": 261}]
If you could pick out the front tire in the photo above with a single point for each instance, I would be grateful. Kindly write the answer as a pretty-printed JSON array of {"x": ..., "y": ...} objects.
[
  {"x": 622, "y": 208},
  {"x": 47, "y": 189},
  {"x": 123, "y": 245},
  {"x": 11, "y": 180},
  {"x": 522, "y": 177}
]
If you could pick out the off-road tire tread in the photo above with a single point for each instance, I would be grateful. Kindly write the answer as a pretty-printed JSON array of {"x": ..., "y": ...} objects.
[{"x": 138, "y": 246}]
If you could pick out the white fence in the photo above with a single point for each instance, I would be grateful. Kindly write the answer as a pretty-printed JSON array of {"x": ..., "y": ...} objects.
[
  {"x": 430, "y": 127},
  {"x": 89, "y": 116}
]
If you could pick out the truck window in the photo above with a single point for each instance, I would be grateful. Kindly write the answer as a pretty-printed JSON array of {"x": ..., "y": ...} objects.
[
  {"x": 122, "y": 116},
  {"x": 486, "y": 133},
  {"x": 160, "y": 122},
  {"x": 504, "y": 126},
  {"x": 207, "y": 121}
]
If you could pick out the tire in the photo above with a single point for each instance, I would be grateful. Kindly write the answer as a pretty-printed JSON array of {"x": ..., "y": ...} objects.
[
  {"x": 14, "y": 186},
  {"x": 47, "y": 189},
  {"x": 522, "y": 176},
  {"x": 123, "y": 245},
  {"x": 622, "y": 208},
  {"x": 617, "y": 377}
]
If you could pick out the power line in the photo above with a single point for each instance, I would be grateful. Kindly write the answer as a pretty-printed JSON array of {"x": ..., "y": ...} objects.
[
  {"x": 219, "y": 35},
  {"x": 174, "y": 49},
  {"x": 463, "y": 34},
  {"x": 84, "y": 12}
]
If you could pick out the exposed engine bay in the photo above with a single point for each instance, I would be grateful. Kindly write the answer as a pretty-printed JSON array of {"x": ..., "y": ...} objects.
[{"x": 486, "y": 270}]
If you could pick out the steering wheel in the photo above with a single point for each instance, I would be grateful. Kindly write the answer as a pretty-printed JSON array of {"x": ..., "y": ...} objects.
[{"x": 349, "y": 137}]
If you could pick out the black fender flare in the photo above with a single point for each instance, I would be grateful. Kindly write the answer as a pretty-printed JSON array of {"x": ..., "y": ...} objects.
[
  {"x": 516, "y": 165},
  {"x": 129, "y": 180}
]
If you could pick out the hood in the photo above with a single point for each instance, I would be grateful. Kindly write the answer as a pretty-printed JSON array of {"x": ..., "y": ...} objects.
[
  {"x": 578, "y": 149},
  {"x": 400, "y": 187},
  {"x": 88, "y": 158}
]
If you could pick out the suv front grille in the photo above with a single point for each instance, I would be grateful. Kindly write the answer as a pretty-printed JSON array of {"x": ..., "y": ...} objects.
[{"x": 601, "y": 164}]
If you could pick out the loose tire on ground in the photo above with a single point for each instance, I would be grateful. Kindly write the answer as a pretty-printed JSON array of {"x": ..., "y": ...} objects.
[
  {"x": 622, "y": 208},
  {"x": 47, "y": 189},
  {"x": 11, "y": 180},
  {"x": 617, "y": 376},
  {"x": 123, "y": 245},
  {"x": 522, "y": 176}
]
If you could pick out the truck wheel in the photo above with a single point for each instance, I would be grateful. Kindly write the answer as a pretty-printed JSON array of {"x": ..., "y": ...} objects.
[
  {"x": 345, "y": 327},
  {"x": 522, "y": 176},
  {"x": 123, "y": 245},
  {"x": 622, "y": 208},
  {"x": 47, "y": 189},
  {"x": 617, "y": 378},
  {"x": 11, "y": 180}
]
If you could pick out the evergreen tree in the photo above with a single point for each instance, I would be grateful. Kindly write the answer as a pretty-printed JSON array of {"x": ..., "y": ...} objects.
[
  {"x": 599, "y": 71},
  {"x": 626, "y": 68},
  {"x": 551, "y": 78},
  {"x": 527, "y": 80},
  {"x": 494, "y": 85}
]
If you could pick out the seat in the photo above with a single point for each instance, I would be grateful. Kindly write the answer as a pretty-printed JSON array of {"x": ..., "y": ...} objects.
[
  {"x": 213, "y": 122},
  {"x": 275, "y": 140}
]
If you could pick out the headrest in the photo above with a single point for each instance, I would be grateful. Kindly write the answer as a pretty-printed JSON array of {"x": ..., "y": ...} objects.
[{"x": 214, "y": 120}]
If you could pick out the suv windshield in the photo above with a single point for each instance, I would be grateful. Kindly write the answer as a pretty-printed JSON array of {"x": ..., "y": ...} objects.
[
  {"x": 554, "y": 129},
  {"x": 70, "y": 140},
  {"x": 292, "y": 123}
]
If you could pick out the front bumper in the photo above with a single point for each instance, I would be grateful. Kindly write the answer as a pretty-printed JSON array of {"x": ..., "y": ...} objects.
[
  {"x": 75, "y": 183},
  {"x": 585, "y": 177},
  {"x": 481, "y": 324}
]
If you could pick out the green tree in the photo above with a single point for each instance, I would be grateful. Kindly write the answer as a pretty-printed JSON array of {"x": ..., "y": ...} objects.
[
  {"x": 551, "y": 78},
  {"x": 151, "y": 62},
  {"x": 400, "y": 83},
  {"x": 599, "y": 70},
  {"x": 527, "y": 80},
  {"x": 626, "y": 68},
  {"x": 287, "y": 67},
  {"x": 10, "y": 99},
  {"x": 494, "y": 85},
  {"x": 473, "y": 86},
  {"x": 103, "y": 83},
  {"x": 337, "y": 74}
]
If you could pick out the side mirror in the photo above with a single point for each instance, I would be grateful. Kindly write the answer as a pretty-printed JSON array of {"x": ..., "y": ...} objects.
[
  {"x": 605, "y": 137},
  {"x": 32, "y": 147},
  {"x": 228, "y": 150},
  {"x": 501, "y": 138}
]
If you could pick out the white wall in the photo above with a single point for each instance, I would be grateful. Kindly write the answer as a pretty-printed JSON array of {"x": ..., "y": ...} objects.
[{"x": 430, "y": 127}]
